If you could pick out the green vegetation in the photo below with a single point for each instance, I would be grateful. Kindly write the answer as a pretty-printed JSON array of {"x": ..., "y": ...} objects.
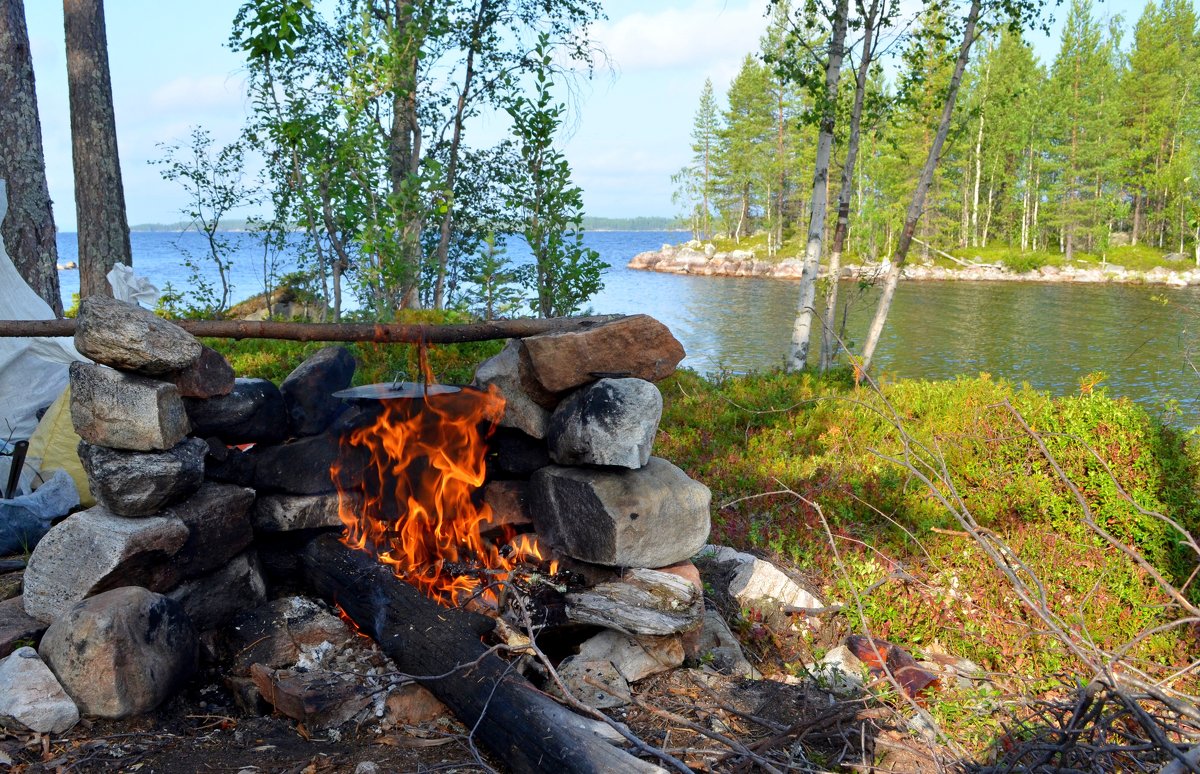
[
  {"x": 1095, "y": 148},
  {"x": 773, "y": 447}
]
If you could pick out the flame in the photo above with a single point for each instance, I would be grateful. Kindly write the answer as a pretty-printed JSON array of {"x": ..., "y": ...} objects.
[{"x": 408, "y": 485}]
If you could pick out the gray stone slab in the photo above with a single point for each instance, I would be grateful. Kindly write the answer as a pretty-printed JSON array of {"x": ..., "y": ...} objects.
[
  {"x": 130, "y": 338},
  {"x": 125, "y": 411},
  {"x": 132, "y": 483}
]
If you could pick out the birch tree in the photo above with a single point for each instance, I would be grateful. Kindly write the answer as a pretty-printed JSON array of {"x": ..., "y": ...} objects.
[{"x": 802, "y": 328}]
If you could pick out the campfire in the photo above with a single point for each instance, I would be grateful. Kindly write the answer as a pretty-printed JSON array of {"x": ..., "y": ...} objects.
[{"x": 413, "y": 497}]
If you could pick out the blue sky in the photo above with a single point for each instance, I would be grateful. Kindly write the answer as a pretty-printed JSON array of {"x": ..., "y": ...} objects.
[{"x": 171, "y": 70}]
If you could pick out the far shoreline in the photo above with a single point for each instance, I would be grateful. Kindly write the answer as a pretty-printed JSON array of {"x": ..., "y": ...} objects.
[{"x": 694, "y": 259}]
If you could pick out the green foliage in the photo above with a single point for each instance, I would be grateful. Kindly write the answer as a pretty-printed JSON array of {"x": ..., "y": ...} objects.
[
  {"x": 494, "y": 293},
  {"x": 212, "y": 179},
  {"x": 451, "y": 363},
  {"x": 565, "y": 274},
  {"x": 830, "y": 442}
]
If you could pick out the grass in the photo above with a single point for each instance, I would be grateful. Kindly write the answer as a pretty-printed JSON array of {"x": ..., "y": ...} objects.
[
  {"x": 828, "y": 442},
  {"x": 1135, "y": 258}
]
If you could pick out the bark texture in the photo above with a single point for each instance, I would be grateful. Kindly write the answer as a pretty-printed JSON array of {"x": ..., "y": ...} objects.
[
  {"x": 28, "y": 229},
  {"x": 99, "y": 194}
]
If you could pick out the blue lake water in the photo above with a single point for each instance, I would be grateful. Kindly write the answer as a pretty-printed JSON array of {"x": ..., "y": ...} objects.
[{"x": 1141, "y": 337}]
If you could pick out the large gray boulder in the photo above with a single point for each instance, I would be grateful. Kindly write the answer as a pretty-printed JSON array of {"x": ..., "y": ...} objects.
[
  {"x": 520, "y": 410},
  {"x": 130, "y": 338},
  {"x": 650, "y": 517},
  {"x": 217, "y": 520},
  {"x": 125, "y": 411},
  {"x": 31, "y": 698},
  {"x": 94, "y": 550},
  {"x": 308, "y": 390},
  {"x": 142, "y": 483},
  {"x": 121, "y": 653},
  {"x": 611, "y": 422},
  {"x": 252, "y": 412}
]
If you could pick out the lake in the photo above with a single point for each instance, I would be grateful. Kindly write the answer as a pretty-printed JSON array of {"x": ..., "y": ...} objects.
[{"x": 1044, "y": 334}]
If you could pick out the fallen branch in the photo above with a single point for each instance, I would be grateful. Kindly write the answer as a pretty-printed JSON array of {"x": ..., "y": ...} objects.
[
  {"x": 379, "y": 333},
  {"x": 959, "y": 261}
]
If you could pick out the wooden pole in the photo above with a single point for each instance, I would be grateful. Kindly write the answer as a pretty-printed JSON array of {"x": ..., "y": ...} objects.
[{"x": 374, "y": 332}]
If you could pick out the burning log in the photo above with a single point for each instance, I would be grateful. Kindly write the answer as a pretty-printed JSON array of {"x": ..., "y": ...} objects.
[
  {"x": 521, "y": 725},
  {"x": 375, "y": 332}
]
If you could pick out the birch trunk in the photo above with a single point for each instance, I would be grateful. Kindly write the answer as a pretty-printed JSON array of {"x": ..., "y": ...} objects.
[
  {"x": 99, "y": 193},
  {"x": 917, "y": 205},
  {"x": 28, "y": 229},
  {"x": 404, "y": 147},
  {"x": 802, "y": 329},
  {"x": 829, "y": 339}
]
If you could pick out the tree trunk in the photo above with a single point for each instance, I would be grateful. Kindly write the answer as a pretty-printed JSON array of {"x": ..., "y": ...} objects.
[
  {"x": 404, "y": 147},
  {"x": 802, "y": 329},
  {"x": 917, "y": 205},
  {"x": 829, "y": 340},
  {"x": 28, "y": 229},
  {"x": 99, "y": 194}
]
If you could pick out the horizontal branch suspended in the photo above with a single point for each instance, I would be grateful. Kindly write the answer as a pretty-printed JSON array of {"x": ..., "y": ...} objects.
[{"x": 374, "y": 332}]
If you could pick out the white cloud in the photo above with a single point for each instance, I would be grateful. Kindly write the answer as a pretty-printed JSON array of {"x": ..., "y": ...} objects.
[
  {"x": 191, "y": 92},
  {"x": 704, "y": 35}
]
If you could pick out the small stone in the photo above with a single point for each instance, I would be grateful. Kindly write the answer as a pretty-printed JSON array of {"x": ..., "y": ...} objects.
[
  {"x": 288, "y": 513},
  {"x": 718, "y": 647},
  {"x": 755, "y": 582},
  {"x": 125, "y": 411},
  {"x": 130, "y": 338},
  {"x": 17, "y": 626},
  {"x": 210, "y": 376},
  {"x": 31, "y": 698},
  {"x": 308, "y": 390},
  {"x": 637, "y": 346},
  {"x": 94, "y": 550},
  {"x": 252, "y": 412},
  {"x": 611, "y": 422},
  {"x": 651, "y": 517},
  {"x": 122, "y": 652},
  {"x": 597, "y": 684},
  {"x": 509, "y": 502},
  {"x": 521, "y": 411},
  {"x": 142, "y": 483},
  {"x": 636, "y": 658},
  {"x": 212, "y": 600},
  {"x": 412, "y": 705}
]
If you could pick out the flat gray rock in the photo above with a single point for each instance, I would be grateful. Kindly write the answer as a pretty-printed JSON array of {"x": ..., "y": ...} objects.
[
  {"x": 520, "y": 410},
  {"x": 288, "y": 513},
  {"x": 610, "y": 422},
  {"x": 637, "y": 345},
  {"x": 636, "y": 658},
  {"x": 142, "y": 483},
  {"x": 640, "y": 603},
  {"x": 121, "y": 653},
  {"x": 125, "y": 411},
  {"x": 94, "y": 550},
  {"x": 651, "y": 517},
  {"x": 31, "y": 698},
  {"x": 130, "y": 338}
]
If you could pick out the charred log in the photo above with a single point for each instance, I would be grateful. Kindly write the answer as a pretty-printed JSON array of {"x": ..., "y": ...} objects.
[{"x": 522, "y": 726}]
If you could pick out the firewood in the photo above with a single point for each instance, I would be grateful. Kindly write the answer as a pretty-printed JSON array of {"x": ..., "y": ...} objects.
[{"x": 442, "y": 650}]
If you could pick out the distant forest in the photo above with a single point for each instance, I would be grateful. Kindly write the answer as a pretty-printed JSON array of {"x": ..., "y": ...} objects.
[
  {"x": 1098, "y": 147},
  {"x": 589, "y": 223}
]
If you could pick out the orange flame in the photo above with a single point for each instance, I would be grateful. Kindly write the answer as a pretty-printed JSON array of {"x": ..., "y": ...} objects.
[{"x": 408, "y": 487}]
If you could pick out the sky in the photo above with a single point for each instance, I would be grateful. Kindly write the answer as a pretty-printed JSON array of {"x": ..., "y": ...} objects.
[{"x": 171, "y": 70}]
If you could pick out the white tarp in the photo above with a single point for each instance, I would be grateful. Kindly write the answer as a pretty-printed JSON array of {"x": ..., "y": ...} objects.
[{"x": 32, "y": 371}]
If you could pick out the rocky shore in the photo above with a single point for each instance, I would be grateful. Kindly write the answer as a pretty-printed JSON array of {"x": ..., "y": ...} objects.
[{"x": 704, "y": 260}]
